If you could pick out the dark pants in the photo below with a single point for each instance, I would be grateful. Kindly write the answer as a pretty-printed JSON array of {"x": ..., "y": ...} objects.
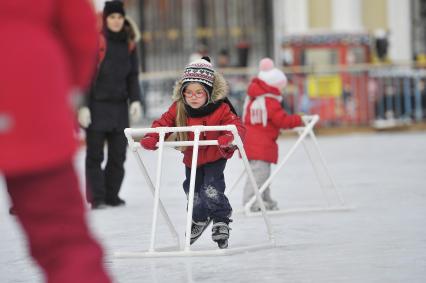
[
  {"x": 209, "y": 198},
  {"x": 104, "y": 184},
  {"x": 50, "y": 208}
]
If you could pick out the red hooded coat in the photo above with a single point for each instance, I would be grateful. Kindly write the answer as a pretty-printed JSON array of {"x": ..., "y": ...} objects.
[
  {"x": 261, "y": 141},
  {"x": 45, "y": 51},
  {"x": 221, "y": 116}
]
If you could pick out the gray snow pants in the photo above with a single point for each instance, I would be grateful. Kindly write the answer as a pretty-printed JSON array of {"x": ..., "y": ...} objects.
[{"x": 261, "y": 171}]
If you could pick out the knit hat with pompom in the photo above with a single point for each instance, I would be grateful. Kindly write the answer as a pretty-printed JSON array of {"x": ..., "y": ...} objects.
[
  {"x": 200, "y": 71},
  {"x": 271, "y": 75}
]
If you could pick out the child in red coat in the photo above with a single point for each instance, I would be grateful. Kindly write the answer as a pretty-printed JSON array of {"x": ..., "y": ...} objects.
[
  {"x": 263, "y": 118},
  {"x": 200, "y": 99}
]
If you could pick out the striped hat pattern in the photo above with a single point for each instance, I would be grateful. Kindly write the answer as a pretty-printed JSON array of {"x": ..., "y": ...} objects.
[{"x": 201, "y": 71}]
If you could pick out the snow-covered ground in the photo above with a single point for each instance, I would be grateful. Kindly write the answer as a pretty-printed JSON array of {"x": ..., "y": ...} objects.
[{"x": 382, "y": 239}]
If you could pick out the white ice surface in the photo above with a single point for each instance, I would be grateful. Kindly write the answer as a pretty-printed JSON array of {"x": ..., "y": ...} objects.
[{"x": 382, "y": 240}]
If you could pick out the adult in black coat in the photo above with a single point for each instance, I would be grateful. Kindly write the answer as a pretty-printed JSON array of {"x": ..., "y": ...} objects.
[{"x": 114, "y": 88}]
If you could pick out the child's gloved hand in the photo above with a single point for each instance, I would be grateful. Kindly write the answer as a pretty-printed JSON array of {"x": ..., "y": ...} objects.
[
  {"x": 149, "y": 142},
  {"x": 225, "y": 141},
  {"x": 297, "y": 122}
]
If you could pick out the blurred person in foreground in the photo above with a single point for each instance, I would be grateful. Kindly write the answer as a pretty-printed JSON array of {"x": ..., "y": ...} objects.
[
  {"x": 263, "y": 118},
  {"x": 48, "y": 47},
  {"x": 114, "y": 94}
]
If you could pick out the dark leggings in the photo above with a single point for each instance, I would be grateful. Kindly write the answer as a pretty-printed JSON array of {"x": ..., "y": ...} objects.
[{"x": 209, "y": 197}]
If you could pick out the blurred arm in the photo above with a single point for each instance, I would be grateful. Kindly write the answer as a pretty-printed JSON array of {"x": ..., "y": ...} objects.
[{"x": 280, "y": 118}]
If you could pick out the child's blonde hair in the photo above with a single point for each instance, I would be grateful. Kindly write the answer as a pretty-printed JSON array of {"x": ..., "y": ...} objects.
[{"x": 181, "y": 118}]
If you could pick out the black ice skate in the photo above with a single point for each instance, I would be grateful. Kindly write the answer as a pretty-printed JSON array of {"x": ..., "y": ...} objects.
[
  {"x": 197, "y": 228},
  {"x": 220, "y": 234}
]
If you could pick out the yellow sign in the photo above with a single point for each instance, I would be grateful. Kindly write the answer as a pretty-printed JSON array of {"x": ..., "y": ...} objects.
[
  {"x": 421, "y": 59},
  {"x": 324, "y": 86}
]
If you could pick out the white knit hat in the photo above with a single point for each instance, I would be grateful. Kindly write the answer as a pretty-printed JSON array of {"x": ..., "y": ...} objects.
[
  {"x": 271, "y": 75},
  {"x": 201, "y": 71}
]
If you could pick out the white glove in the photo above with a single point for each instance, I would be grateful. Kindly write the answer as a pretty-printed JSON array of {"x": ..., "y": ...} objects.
[
  {"x": 84, "y": 117},
  {"x": 76, "y": 98},
  {"x": 135, "y": 111}
]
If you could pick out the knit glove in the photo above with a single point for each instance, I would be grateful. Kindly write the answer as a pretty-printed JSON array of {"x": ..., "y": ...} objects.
[
  {"x": 225, "y": 141},
  {"x": 135, "y": 111},
  {"x": 149, "y": 142},
  {"x": 84, "y": 118}
]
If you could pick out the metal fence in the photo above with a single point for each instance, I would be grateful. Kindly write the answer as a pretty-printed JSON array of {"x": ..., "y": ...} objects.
[
  {"x": 359, "y": 95},
  {"x": 173, "y": 30}
]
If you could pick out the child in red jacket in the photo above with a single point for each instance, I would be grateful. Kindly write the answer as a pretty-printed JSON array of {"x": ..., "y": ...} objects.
[
  {"x": 263, "y": 118},
  {"x": 200, "y": 99}
]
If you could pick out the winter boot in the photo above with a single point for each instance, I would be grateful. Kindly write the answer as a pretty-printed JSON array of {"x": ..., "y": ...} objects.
[
  {"x": 198, "y": 228},
  {"x": 97, "y": 205},
  {"x": 220, "y": 234},
  {"x": 117, "y": 201},
  {"x": 255, "y": 208},
  {"x": 271, "y": 205}
]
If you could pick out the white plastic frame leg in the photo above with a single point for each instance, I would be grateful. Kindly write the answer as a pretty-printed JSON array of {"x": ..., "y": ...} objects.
[
  {"x": 152, "y": 252},
  {"x": 135, "y": 149},
  {"x": 303, "y": 132}
]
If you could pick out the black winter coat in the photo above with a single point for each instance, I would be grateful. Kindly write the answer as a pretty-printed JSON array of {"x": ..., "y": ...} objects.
[{"x": 116, "y": 85}]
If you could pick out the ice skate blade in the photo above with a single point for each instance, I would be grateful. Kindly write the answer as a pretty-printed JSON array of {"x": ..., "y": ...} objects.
[
  {"x": 193, "y": 240},
  {"x": 222, "y": 244}
]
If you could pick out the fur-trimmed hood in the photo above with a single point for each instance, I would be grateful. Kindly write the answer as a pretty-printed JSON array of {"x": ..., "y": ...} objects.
[
  {"x": 132, "y": 29},
  {"x": 220, "y": 88}
]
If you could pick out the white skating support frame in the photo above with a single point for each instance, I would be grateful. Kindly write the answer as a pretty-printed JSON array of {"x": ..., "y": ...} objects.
[
  {"x": 176, "y": 250},
  {"x": 330, "y": 192}
]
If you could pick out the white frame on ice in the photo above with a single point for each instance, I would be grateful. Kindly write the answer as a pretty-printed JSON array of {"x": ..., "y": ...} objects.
[
  {"x": 329, "y": 189},
  {"x": 176, "y": 250}
]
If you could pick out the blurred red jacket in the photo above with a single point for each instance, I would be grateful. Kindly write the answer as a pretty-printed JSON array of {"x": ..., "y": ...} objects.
[
  {"x": 261, "y": 140},
  {"x": 45, "y": 51}
]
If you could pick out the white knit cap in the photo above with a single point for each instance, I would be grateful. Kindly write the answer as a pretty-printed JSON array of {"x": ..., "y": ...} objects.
[
  {"x": 271, "y": 75},
  {"x": 200, "y": 70}
]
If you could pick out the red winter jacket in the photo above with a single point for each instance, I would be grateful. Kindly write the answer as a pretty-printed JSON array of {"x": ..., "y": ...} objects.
[
  {"x": 221, "y": 116},
  {"x": 47, "y": 47},
  {"x": 261, "y": 141}
]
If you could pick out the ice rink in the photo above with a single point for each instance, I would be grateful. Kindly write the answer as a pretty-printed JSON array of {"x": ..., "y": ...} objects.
[{"x": 382, "y": 239}]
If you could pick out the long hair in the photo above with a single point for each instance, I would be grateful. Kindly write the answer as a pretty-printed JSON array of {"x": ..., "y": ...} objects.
[{"x": 181, "y": 118}]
